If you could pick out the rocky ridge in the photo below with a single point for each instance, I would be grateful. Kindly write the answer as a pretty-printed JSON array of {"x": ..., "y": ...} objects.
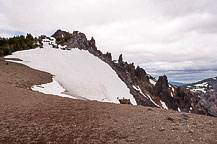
[
  {"x": 146, "y": 90},
  {"x": 205, "y": 93}
]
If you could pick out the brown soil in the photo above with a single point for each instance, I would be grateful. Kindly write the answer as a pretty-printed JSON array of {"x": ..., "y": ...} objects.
[{"x": 32, "y": 117}]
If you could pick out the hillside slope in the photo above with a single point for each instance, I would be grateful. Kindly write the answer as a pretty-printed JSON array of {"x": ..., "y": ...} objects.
[
  {"x": 205, "y": 92},
  {"x": 32, "y": 117}
]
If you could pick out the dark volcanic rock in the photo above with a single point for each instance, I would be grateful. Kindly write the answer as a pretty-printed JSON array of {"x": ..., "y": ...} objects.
[
  {"x": 205, "y": 95},
  {"x": 125, "y": 101},
  {"x": 120, "y": 59},
  {"x": 92, "y": 43},
  {"x": 183, "y": 98},
  {"x": 78, "y": 40},
  {"x": 208, "y": 101},
  {"x": 108, "y": 56},
  {"x": 140, "y": 73},
  {"x": 162, "y": 82},
  {"x": 60, "y": 34},
  {"x": 161, "y": 90}
]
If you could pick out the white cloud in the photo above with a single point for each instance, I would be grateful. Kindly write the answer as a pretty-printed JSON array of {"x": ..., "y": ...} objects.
[{"x": 162, "y": 34}]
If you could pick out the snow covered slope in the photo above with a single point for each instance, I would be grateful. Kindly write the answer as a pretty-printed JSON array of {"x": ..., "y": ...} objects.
[
  {"x": 205, "y": 92},
  {"x": 204, "y": 86},
  {"x": 83, "y": 75}
]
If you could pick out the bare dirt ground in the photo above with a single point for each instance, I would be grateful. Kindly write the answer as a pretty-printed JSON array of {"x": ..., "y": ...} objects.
[{"x": 32, "y": 117}]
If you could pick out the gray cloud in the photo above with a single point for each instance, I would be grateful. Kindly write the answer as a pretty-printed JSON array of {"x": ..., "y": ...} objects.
[{"x": 168, "y": 34}]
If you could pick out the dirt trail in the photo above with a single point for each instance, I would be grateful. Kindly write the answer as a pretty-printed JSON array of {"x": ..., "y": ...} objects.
[{"x": 32, "y": 117}]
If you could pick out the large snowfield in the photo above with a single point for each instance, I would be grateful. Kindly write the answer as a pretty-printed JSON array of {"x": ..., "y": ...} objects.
[{"x": 83, "y": 75}]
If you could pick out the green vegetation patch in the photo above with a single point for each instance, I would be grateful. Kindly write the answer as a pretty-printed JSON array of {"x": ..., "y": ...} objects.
[{"x": 10, "y": 45}]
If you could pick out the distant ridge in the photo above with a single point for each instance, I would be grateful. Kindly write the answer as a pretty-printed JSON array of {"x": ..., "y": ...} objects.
[
  {"x": 177, "y": 83},
  {"x": 205, "y": 92}
]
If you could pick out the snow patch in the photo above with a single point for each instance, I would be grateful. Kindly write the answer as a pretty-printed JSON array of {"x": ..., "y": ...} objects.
[
  {"x": 20, "y": 62},
  {"x": 135, "y": 87},
  {"x": 152, "y": 81},
  {"x": 171, "y": 94},
  {"x": 140, "y": 91},
  {"x": 52, "y": 41},
  {"x": 115, "y": 61},
  {"x": 152, "y": 101},
  {"x": 164, "y": 105},
  {"x": 82, "y": 74},
  {"x": 172, "y": 88},
  {"x": 53, "y": 88},
  {"x": 190, "y": 110},
  {"x": 145, "y": 95},
  {"x": 205, "y": 84},
  {"x": 198, "y": 89}
]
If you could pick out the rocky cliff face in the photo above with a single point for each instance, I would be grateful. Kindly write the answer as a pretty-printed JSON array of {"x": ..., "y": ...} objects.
[
  {"x": 205, "y": 93},
  {"x": 146, "y": 90}
]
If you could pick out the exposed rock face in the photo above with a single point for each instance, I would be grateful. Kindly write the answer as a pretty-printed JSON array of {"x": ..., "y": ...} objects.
[
  {"x": 161, "y": 91},
  {"x": 120, "y": 59},
  {"x": 78, "y": 40},
  {"x": 137, "y": 80},
  {"x": 140, "y": 73},
  {"x": 183, "y": 97},
  {"x": 205, "y": 94},
  {"x": 162, "y": 82},
  {"x": 60, "y": 34},
  {"x": 209, "y": 101},
  {"x": 108, "y": 56},
  {"x": 92, "y": 44}
]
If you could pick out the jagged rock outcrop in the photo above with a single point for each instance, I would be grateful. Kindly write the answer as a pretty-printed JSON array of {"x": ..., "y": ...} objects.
[
  {"x": 184, "y": 99},
  {"x": 78, "y": 40},
  {"x": 60, "y": 34},
  {"x": 142, "y": 86},
  {"x": 141, "y": 74},
  {"x": 120, "y": 59},
  {"x": 162, "y": 82},
  {"x": 162, "y": 92},
  {"x": 92, "y": 43},
  {"x": 108, "y": 56}
]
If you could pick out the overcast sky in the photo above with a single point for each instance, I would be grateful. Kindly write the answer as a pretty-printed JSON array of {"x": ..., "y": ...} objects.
[{"x": 158, "y": 34}]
